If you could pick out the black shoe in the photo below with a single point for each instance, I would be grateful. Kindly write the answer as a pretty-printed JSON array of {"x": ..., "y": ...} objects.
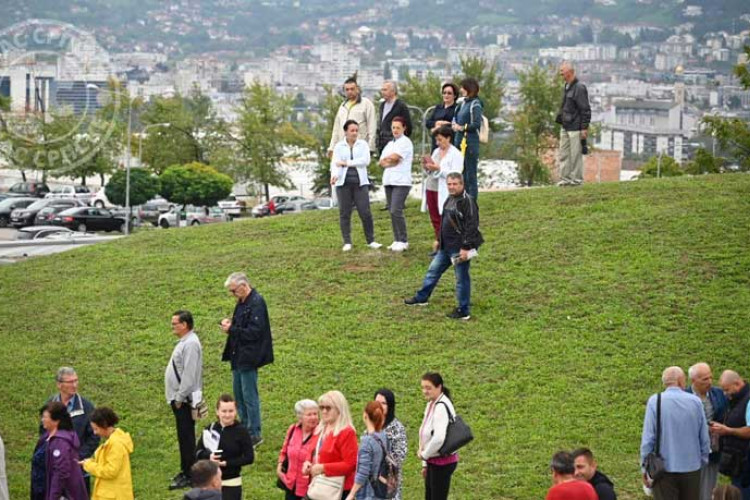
[
  {"x": 459, "y": 314},
  {"x": 256, "y": 440},
  {"x": 180, "y": 481},
  {"x": 413, "y": 301}
]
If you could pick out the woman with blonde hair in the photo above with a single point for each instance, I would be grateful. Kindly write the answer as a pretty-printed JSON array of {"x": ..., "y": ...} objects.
[{"x": 336, "y": 451}]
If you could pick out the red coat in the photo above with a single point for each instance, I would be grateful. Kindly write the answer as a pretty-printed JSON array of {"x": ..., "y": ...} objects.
[
  {"x": 297, "y": 452},
  {"x": 338, "y": 455}
]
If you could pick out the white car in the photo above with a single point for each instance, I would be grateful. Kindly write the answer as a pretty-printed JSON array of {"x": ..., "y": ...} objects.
[
  {"x": 81, "y": 193},
  {"x": 194, "y": 216},
  {"x": 100, "y": 200},
  {"x": 233, "y": 207}
]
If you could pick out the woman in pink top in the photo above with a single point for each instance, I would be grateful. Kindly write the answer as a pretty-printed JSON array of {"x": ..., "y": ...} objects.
[
  {"x": 436, "y": 469},
  {"x": 298, "y": 447}
]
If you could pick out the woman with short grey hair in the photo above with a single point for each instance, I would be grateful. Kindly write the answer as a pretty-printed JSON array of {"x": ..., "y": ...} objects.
[{"x": 300, "y": 441}]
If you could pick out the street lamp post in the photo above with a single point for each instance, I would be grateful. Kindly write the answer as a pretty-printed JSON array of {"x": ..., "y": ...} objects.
[{"x": 127, "y": 152}]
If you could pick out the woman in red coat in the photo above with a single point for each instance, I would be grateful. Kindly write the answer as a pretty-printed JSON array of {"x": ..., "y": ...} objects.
[{"x": 336, "y": 452}]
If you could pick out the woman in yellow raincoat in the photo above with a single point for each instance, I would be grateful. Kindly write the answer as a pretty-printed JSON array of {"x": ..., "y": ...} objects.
[{"x": 110, "y": 464}]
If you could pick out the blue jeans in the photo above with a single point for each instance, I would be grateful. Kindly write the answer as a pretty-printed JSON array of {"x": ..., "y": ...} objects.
[
  {"x": 245, "y": 385},
  {"x": 745, "y": 491},
  {"x": 440, "y": 263}
]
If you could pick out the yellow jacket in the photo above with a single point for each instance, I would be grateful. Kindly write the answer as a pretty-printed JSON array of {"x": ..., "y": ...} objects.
[{"x": 110, "y": 465}]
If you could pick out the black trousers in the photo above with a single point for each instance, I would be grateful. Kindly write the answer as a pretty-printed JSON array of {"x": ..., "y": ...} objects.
[
  {"x": 437, "y": 484},
  {"x": 185, "y": 436},
  {"x": 231, "y": 493},
  {"x": 678, "y": 486}
]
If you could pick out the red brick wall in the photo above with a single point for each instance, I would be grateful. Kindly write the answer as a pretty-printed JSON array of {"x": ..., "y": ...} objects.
[{"x": 602, "y": 166}]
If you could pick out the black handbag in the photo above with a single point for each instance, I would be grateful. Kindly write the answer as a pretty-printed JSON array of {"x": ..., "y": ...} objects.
[
  {"x": 285, "y": 464},
  {"x": 457, "y": 435},
  {"x": 654, "y": 463}
]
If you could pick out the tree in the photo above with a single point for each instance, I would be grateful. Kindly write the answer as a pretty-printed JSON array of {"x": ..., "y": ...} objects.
[
  {"x": 320, "y": 134},
  {"x": 261, "y": 132},
  {"x": 661, "y": 166},
  {"x": 534, "y": 128},
  {"x": 742, "y": 71},
  {"x": 194, "y": 184},
  {"x": 144, "y": 186},
  {"x": 704, "y": 163}
]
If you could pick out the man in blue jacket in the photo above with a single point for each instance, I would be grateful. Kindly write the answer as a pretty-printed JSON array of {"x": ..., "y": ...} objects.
[
  {"x": 249, "y": 346},
  {"x": 715, "y": 407}
]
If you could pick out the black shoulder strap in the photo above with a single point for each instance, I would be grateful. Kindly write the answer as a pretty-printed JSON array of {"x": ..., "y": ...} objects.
[
  {"x": 174, "y": 367},
  {"x": 658, "y": 422}
]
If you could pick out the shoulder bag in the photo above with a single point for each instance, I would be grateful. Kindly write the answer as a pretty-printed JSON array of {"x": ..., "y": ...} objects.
[
  {"x": 199, "y": 410},
  {"x": 654, "y": 463},
  {"x": 457, "y": 435}
]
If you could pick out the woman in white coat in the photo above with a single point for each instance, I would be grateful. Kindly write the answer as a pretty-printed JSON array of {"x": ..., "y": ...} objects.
[
  {"x": 446, "y": 158},
  {"x": 349, "y": 162}
]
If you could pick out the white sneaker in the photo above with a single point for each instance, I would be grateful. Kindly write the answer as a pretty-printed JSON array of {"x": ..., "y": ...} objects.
[
  {"x": 397, "y": 247},
  {"x": 405, "y": 245},
  {"x": 374, "y": 245},
  {"x": 390, "y": 247},
  {"x": 346, "y": 248}
]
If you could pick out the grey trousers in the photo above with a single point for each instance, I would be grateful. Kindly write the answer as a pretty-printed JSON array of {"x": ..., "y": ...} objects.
[
  {"x": 678, "y": 486},
  {"x": 709, "y": 477},
  {"x": 571, "y": 158},
  {"x": 349, "y": 196},
  {"x": 396, "y": 199}
]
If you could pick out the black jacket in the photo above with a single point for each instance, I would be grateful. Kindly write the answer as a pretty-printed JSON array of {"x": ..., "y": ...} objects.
[
  {"x": 575, "y": 111},
  {"x": 81, "y": 417},
  {"x": 439, "y": 114},
  {"x": 735, "y": 418},
  {"x": 465, "y": 221},
  {"x": 235, "y": 445},
  {"x": 249, "y": 344},
  {"x": 384, "y": 124},
  {"x": 199, "y": 494},
  {"x": 603, "y": 486}
]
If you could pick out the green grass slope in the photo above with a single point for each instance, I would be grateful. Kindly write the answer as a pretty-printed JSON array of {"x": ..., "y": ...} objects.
[{"x": 581, "y": 298}]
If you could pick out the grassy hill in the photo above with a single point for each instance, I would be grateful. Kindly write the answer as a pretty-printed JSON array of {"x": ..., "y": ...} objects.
[{"x": 581, "y": 298}]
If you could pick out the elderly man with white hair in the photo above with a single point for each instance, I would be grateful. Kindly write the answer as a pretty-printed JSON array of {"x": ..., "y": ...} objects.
[
  {"x": 249, "y": 346},
  {"x": 574, "y": 116},
  {"x": 683, "y": 443},
  {"x": 391, "y": 107},
  {"x": 715, "y": 407},
  {"x": 735, "y": 432}
]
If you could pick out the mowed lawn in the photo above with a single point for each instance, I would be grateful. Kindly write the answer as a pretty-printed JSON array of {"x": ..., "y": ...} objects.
[{"x": 580, "y": 298}]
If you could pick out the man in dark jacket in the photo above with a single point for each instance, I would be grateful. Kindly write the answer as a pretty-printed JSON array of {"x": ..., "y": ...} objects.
[
  {"x": 206, "y": 476},
  {"x": 80, "y": 410},
  {"x": 249, "y": 346},
  {"x": 715, "y": 407},
  {"x": 586, "y": 470},
  {"x": 735, "y": 432},
  {"x": 574, "y": 116},
  {"x": 459, "y": 240},
  {"x": 391, "y": 107}
]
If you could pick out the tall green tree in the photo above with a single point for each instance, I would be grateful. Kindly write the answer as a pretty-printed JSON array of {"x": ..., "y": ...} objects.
[
  {"x": 534, "y": 127},
  {"x": 320, "y": 133},
  {"x": 260, "y": 135}
]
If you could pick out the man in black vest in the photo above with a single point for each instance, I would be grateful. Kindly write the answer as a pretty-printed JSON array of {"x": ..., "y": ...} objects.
[{"x": 735, "y": 432}]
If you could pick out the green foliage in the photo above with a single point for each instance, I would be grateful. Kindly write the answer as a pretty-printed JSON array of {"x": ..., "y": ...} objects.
[
  {"x": 661, "y": 166},
  {"x": 320, "y": 134},
  {"x": 144, "y": 186},
  {"x": 580, "y": 297},
  {"x": 742, "y": 71},
  {"x": 195, "y": 184},
  {"x": 704, "y": 163},
  {"x": 534, "y": 128},
  {"x": 423, "y": 93},
  {"x": 491, "y": 85},
  {"x": 733, "y": 135}
]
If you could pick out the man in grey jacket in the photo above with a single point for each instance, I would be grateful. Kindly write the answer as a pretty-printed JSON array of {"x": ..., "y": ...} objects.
[
  {"x": 183, "y": 386},
  {"x": 574, "y": 116}
]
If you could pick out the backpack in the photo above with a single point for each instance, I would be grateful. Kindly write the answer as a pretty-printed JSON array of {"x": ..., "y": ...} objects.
[
  {"x": 385, "y": 484},
  {"x": 484, "y": 129}
]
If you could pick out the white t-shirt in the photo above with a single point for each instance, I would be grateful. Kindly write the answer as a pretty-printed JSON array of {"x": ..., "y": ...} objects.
[{"x": 400, "y": 174}]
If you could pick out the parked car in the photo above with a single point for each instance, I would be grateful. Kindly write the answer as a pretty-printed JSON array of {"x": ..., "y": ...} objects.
[
  {"x": 39, "y": 232},
  {"x": 192, "y": 216},
  {"x": 28, "y": 188},
  {"x": 296, "y": 206},
  {"x": 233, "y": 207},
  {"x": 9, "y": 204},
  {"x": 89, "y": 218},
  {"x": 99, "y": 199},
  {"x": 81, "y": 193},
  {"x": 262, "y": 210},
  {"x": 150, "y": 211},
  {"x": 326, "y": 203},
  {"x": 22, "y": 217}
]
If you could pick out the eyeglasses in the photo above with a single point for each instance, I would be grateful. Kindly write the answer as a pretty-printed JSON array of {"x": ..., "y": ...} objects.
[
  {"x": 74, "y": 381},
  {"x": 325, "y": 407}
]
